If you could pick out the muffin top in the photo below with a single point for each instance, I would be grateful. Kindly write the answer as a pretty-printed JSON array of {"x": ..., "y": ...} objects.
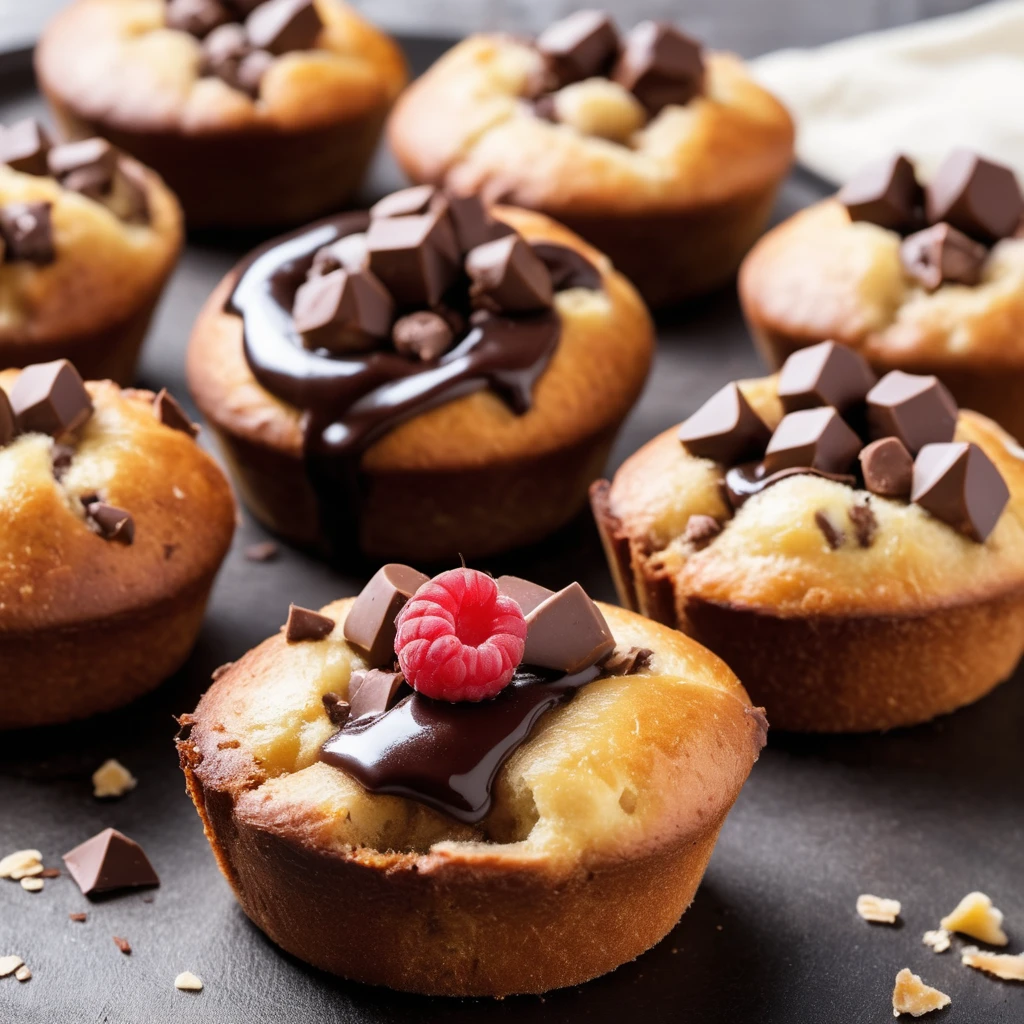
[
  {"x": 201, "y": 66},
  {"x": 107, "y": 504},
  {"x": 582, "y": 121}
]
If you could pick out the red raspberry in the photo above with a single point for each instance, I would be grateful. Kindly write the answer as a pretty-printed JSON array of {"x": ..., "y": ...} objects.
[{"x": 458, "y": 638}]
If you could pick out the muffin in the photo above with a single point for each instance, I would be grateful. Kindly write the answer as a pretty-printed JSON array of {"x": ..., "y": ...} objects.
[
  {"x": 423, "y": 380},
  {"x": 852, "y": 547},
  {"x": 255, "y": 113},
  {"x": 928, "y": 280},
  {"x": 525, "y": 828},
  {"x": 662, "y": 155},
  {"x": 88, "y": 239},
  {"x": 113, "y": 523}
]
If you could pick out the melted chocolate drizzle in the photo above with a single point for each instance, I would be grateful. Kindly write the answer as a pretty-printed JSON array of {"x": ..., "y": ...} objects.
[{"x": 744, "y": 481}]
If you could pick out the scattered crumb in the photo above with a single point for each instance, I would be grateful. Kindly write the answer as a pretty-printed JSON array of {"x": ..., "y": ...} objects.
[
  {"x": 21, "y": 864},
  {"x": 79, "y": 916},
  {"x": 112, "y": 779},
  {"x": 32, "y": 884},
  {"x": 23, "y": 973},
  {"x": 265, "y": 551},
  {"x": 1001, "y": 965},
  {"x": 188, "y": 982},
  {"x": 178, "y": 493},
  {"x": 878, "y": 909},
  {"x": 937, "y": 940},
  {"x": 911, "y": 995},
  {"x": 9, "y": 964},
  {"x": 975, "y": 916},
  {"x": 123, "y": 944},
  {"x": 50, "y": 873},
  {"x": 228, "y": 745}
]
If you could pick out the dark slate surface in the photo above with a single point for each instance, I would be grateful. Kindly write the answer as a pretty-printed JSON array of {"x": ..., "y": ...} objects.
[{"x": 923, "y": 815}]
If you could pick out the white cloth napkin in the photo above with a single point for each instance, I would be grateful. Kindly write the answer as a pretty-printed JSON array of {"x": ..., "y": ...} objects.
[{"x": 951, "y": 81}]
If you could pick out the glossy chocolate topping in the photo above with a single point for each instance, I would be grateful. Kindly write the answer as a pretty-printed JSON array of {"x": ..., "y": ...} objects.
[{"x": 743, "y": 482}]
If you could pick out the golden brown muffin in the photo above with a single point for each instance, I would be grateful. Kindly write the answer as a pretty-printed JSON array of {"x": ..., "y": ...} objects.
[
  {"x": 602, "y": 821},
  {"x": 462, "y": 472},
  {"x": 111, "y": 533},
  {"x": 841, "y": 609},
  {"x": 84, "y": 284},
  {"x": 274, "y": 141},
  {"x": 675, "y": 196}
]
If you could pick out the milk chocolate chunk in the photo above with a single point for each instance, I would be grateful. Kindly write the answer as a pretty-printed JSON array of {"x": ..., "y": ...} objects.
[
  {"x": 129, "y": 198},
  {"x": 885, "y": 193},
  {"x": 343, "y": 311},
  {"x": 338, "y": 709},
  {"x": 27, "y": 232},
  {"x": 625, "y": 661},
  {"x": 567, "y": 632},
  {"x": 660, "y": 65},
  {"x": 61, "y": 457},
  {"x": 109, "y": 861},
  {"x": 701, "y": 530},
  {"x": 525, "y": 593},
  {"x": 978, "y": 196},
  {"x": 887, "y": 467},
  {"x": 816, "y": 438},
  {"x": 50, "y": 398},
  {"x": 283, "y": 25},
  {"x": 941, "y": 254},
  {"x": 473, "y": 223},
  {"x": 583, "y": 45},
  {"x": 824, "y": 374},
  {"x": 110, "y": 522},
  {"x": 411, "y": 256},
  {"x": 251, "y": 69},
  {"x": 915, "y": 408},
  {"x": 93, "y": 161},
  {"x": 406, "y": 202},
  {"x": 371, "y": 620},
  {"x": 568, "y": 267},
  {"x": 348, "y": 253},
  {"x": 169, "y": 412},
  {"x": 373, "y": 692},
  {"x": 422, "y": 335},
  {"x": 725, "y": 428},
  {"x": 306, "y": 624},
  {"x": 508, "y": 277},
  {"x": 8, "y": 427},
  {"x": 24, "y": 147},
  {"x": 197, "y": 17}
]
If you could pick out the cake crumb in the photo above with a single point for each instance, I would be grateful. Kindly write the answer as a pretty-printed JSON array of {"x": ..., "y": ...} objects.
[
  {"x": 911, "y": 995},
  {"x": 188, "y": 982},
  {"x": 878, "y": 909},
  {"x": 937, "y": 940},
  {"x": 21, "y": 864},
  {"x": 9, "y": 964},
  {"x": 123, "y": 944},
  {"x": 32, "y": 884},
  {"x": 78, "y": 916},
  {"x": 1008, "y": 967},
  {"x": 112, "y": 779},
  {"x": 23, "y": 973},
  {"x": 974, "y": 915}
]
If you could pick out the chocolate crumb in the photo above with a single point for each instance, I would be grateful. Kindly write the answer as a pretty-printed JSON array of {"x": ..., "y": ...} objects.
[
  {"x": 79, "y": 917},
  {"x": 264, "y": 551},
  {"x": 833, "y": 537},
  {"x": 865, "y": 525},
  {"x": 50, "y": 873},
  {"x": 338, "y": 709},
  {"x": 123, "y": 944},
  {"x": 701, "y": 530},
  {"x": 624, "y": 661}
]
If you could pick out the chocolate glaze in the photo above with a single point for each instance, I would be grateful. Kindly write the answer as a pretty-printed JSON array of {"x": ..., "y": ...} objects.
[
  {"x": 448, "y": 755},
  {"x": 744, "y": 481}
]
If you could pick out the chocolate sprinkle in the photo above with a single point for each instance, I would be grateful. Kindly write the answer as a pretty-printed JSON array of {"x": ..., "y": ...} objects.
[{"x": 306, "y": 624}]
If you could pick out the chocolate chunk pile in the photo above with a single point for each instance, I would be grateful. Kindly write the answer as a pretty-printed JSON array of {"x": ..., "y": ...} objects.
[
  {"x": 948, "y": 225},
  {"x": 892, "y": 436}
]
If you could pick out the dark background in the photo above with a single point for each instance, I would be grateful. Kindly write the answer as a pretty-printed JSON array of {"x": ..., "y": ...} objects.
[{"x": 922, "y": 815}]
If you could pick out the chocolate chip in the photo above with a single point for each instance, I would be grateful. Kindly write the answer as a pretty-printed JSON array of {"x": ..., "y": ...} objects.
[
  {"x": 348, "y": 253},
  {"x": 917, "y": 409},
  {"x": 888, "y": 467},
  {"x": 833, "y": 536},
  {"x": 824, "y": 374},
  {"x": 817, "y": 438},
  {"x": 50, "y": 398},
  {"x": 406, "y": 202},
  {"x": 412, "y": 256},
  {"x": 95, "y": 160},
  {"x": 197, "y": 17},
  {"x": 701, "y": 530},
  {"x": 343, "y": 311},
  {"x": 941, "y": 254},
  {"x": 283, "y": 25},
  {"x": 306, "y": 624},
  {"x": 865, "y": 525},
  {"x": 959, "y": 484},
  {"x": 370, "y": 624},
  {"x": 567, "y": 632},
  {"x": 61, "y": 456},
  {"x": 508, "y": 277},
  {"x": 979, "y": 197},
  {"x": 583, "y": 45},
  {"x": 27, "y": 232},
  {"x": 108, "y": 861},
  {"x": 625, "y": 661},
  {"x": 111, "y": 522},
  {"x": 251, "y": 68},
  {"x": 264, "y": 551},
  {"x": 422, "y": 335},
  {"x": 525, "y": 593},
  {"x": 885, "y": 193},
  {"x": 169, "y": 412},
  {"x": 337, "y": 708},
  {"x": 24, "y": 146},
  {"x": 373, "y": 692},
  {"x": 473, "y": 223},
  {"x": 8, "y": 426},
  {"x": 725, "y": 428},
  {"x": 660, "y": 66},
  {"x": 568, "y": 267}
]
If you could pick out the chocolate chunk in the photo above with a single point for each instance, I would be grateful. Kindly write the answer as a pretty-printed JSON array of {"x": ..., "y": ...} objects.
[
  {"x": 283, "y": 25},
  {"x": 109, "y": 861},
  {"x": 338, "y": 709},
  {"x": 373, "y": 692},
  {"x": 508, "y": 277},
  {"x": 701, "y": 530},
  {"x": 370, "y": 624},
  {"x": 24, "y": 146},
  {"x": 222, "y": 53},
  {"x": 625, "y": 661},
  {"x": 824, "y": 374},
  {"x": 412, "y": 256},
  {"x": 885, "y": 193},
  {"x": 979, "y": 197},
  {"x": 525, "y": 594},
  {"x": 567, "y": 632},
  {"x": 130, "y": 197},
  {"x": 343, "y": 311},
  {"x": 568, "y": 267},
  {"x": 248, "y": 76},
  {"x": 264, "y": 551},
  {"x": 959, "y": 484},
  {"x": 583, "y": 45},
  {"x": 545, "y": 108},
  {"x": 833, "y": 536},
  {"x": 197, "y": 17},
  {"x": 27, "y": 232},
  {"x": 92, "y": 161},
  {"x": 406, "y": 202},
  {"x": 110, "y": 522},
  {"x": 61, "y": 456},
  {"x": 941, "y": 253},
  {"x": 169, "y": 412},
  {"x": 8, "y": 426},
  {"x": 725, "y": 428},
  {"x": 817, "y": 438},
  {"x": 422, "y": 335},
  {"x": 50, "y": 398},
  {"x": 348, "y": 253},
  {"x": 865, "y": 525},
  {"x": 306, "y": 624},
  {"x": 473, "y": 223},
  {"x": 660, "y": 66},
  {"x": 917, "y": 409},
  {"x": 888, "y": 467}
]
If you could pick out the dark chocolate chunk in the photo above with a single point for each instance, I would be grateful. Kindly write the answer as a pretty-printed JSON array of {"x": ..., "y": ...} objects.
[
  {"x": 865, "y": 524},
  {"x": 343, "y": 311},
  {"x": 660, "y": 65},
  {"x": 412, "y": 257},
  {"x": 61, "y": 456},
  {"x": 832, "y": 534},
  {"x": 567, "y": 632},
  {"x": 887, "y": 467},
  {"x": 94, "y": 160},
  {"x": 625, "y": 661},
  {"x": 197, "y": 17},
  {"x": 583, "y": 45},
  {"x": 338, "y": 709},
  {"x": 941, "y": 253},
  {"x": 406, "y": 202},
  {"x": 169, "y": 412},
  {"x": 824, "y": 374},
  {"x": 109, "y": 521},
  {"x": 525, "y": 594},
  {"x": 263, "y": 551},
  {"x": 347, "y": 253},
  {"x": 885, "y": 193},
  {"x": 370, "y": 624},
  {"x": 248, "y": 76},
  {"x": 959, "y": 484},
  {"x": 473, "y": 223},
  {"x": 422, "y": 335},
  {"x": 8, "y": 426},
  {"x": 373, "y": 692},
  {"x": 283, "y": 25},
  {"x": 568, "y": 267},
  {"x": 27, "y": 232},
  {"x": 981, "y": 198},
  {"x": 24, "y": 147},
  {"x": 701, "y": 530},
  {"x": 306, "y": 624},
  {"x": 817, "y": 438},
  {"x": 129, "y": 199},
  {"x": 50, "y": 398},
  {"x": 915, "y": 408},
  {"x": 508, "y": 277},
  {"x": 725, "y": 428},
  {"x": 109, "y": 861}
]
